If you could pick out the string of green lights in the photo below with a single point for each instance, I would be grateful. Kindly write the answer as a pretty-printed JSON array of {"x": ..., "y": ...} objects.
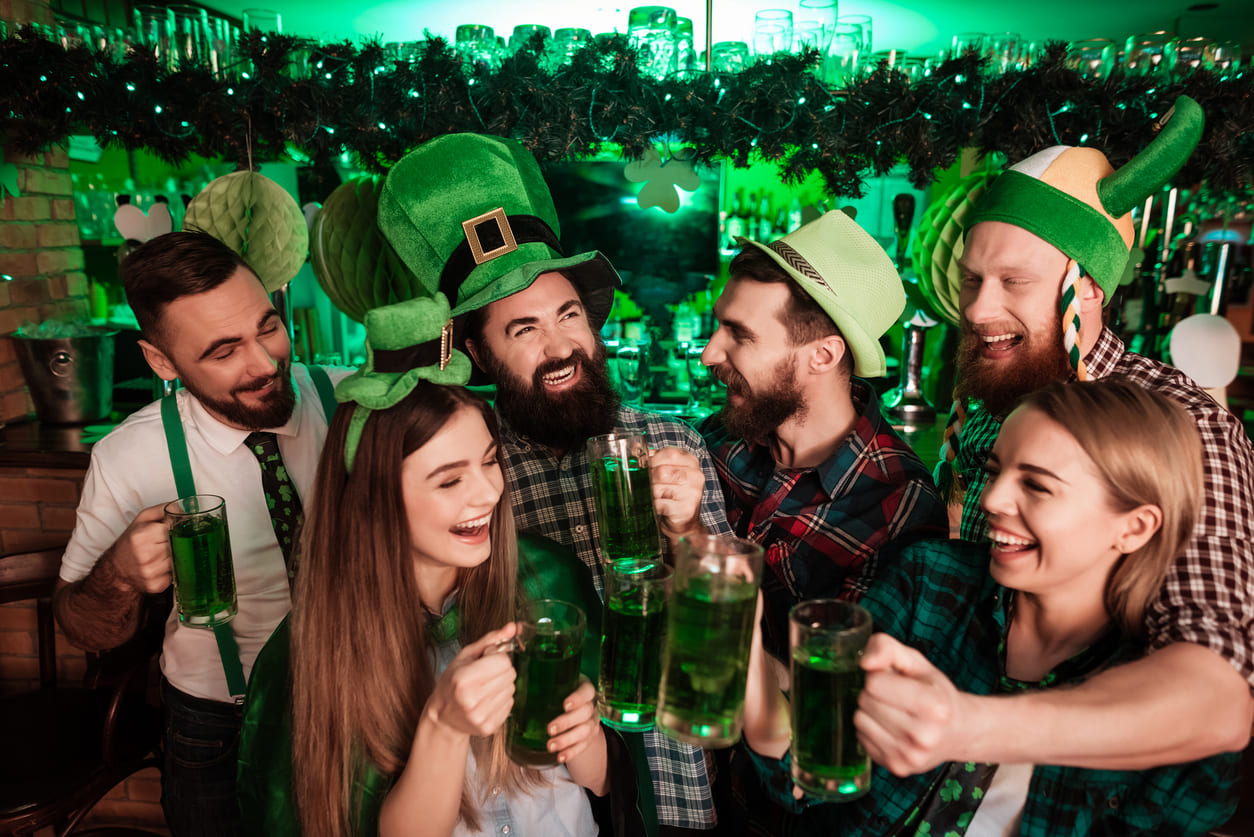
[{"x": 351, "y": 98}]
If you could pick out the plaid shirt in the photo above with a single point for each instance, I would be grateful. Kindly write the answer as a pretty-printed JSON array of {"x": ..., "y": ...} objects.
[
  {"x": 823, "y": 528},
  {"x": 1208, "y": 596},
  {"x": 553, "y": 496},
  {"x": 939, "y": 598}
]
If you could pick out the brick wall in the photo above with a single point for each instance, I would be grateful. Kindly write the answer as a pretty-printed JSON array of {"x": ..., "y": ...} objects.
[{"x": 41, "y": 258}]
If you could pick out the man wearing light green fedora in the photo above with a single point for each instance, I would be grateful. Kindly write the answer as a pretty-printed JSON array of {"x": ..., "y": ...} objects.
[
  {"x": 810, "y": 468},
  {"x": 472, "y": 217},
  {"x": 1045, "y": 249}
]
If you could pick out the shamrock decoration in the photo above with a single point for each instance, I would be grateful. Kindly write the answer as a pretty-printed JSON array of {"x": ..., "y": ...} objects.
[
  {"x": 660, "y": 179},
  {"x": 8, "y": 181}
]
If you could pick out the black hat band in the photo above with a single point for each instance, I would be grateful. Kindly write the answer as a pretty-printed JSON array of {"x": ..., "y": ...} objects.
[{"x": 493, "y": 234}]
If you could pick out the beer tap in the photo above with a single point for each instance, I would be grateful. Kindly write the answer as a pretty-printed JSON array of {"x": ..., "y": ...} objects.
[{"x": 906, "y": 403}]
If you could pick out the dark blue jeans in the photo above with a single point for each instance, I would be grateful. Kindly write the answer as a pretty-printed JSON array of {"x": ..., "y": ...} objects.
[{"x": 198, "y": 782}]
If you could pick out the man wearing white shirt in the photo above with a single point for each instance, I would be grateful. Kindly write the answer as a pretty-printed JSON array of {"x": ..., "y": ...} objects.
[{"x": 207, "y": 320}]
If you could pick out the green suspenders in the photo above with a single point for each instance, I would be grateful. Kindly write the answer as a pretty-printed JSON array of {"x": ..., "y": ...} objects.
[{"x": 185, "y": 484}]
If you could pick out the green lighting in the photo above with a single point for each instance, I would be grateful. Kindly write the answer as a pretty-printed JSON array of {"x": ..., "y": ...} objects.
[
  {"x": 130, "y": 87},
  {"x": 1084, "y": 138},
  {"x": 382, "y": 127},
  {"x": 328, "y": 130},
  {"x": 802, "y": 100},
  {"x": 157, "y": 109},
  {"x": 81, "y": 98},
  {"x": 960, "y": 78},
  {"x": 230, "y": 91},
  {"x": 43, "y": 78}
]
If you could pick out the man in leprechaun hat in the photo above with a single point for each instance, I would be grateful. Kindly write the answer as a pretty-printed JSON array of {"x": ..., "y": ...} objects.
[
  {"x": 472, "y": 216},
  {"x": 1045, "y": 248}
]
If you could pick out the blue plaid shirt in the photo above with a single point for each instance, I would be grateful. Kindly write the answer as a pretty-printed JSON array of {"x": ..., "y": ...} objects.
[{"x": 553, "y": 496}]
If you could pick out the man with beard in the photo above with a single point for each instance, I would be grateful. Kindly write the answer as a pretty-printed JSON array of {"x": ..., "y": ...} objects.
[
  {"x": 252, "y": 427},
  {"x": 472, "y": 217},
  {"x": 1053, "y": 233},
  {"x": 809, "y": 467}
]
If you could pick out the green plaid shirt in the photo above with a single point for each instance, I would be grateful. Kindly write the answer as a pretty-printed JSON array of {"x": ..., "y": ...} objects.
[
  {"x": 939, "y": 598},
  {"x": 553, "y": 497}
]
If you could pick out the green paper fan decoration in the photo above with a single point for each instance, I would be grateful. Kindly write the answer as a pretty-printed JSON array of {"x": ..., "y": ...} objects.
[
  {"x": 354, "y": 264},
  {"x": 256, "y": 218},
  {"x": 938, "y": 244}
]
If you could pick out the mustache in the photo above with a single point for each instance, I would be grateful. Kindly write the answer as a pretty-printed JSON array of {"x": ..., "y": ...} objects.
[
  {"x": 262, "y": 383},
  {"x": 730, "y": 378}
]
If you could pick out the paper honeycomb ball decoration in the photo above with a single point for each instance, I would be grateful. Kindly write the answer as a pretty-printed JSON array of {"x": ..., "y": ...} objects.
[
  {"x": 256, "y": 218},
  {"x": 354, "y": 264},
  {"x": 938, "y": 244}
]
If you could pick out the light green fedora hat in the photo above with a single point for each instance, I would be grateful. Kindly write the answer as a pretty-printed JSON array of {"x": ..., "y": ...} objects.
[{"x": 850, "y": 276}]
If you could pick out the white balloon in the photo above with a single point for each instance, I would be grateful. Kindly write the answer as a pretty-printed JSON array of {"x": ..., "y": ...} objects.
[{"x": 1207, "y": 348}]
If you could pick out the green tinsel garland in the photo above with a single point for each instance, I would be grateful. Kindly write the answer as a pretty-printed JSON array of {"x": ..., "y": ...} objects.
[{"x": 360, "y": 101}]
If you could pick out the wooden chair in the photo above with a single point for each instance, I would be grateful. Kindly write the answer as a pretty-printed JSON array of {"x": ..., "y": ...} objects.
[{"x": 65, "y": 747}]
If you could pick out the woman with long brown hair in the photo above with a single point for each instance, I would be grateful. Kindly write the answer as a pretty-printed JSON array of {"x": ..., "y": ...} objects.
[{"x": 407, "y": 588}]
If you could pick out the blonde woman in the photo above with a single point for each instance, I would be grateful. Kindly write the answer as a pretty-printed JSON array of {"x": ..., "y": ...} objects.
[{"x": 1093, "y": 490}]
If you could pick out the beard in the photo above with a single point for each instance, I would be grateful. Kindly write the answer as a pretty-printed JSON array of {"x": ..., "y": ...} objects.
[
  {"x": 274, "y": 411},
  {"x": 999, "y": 385},
  {"x": 759, "y": 414},
  {"x": 564, "y": 420}
]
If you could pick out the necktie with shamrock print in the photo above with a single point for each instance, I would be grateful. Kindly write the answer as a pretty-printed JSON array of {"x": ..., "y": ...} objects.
[{"x": 281, "y": 497}]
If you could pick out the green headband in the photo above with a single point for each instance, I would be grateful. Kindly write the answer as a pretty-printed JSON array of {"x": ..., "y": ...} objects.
[{"x": 406, "y": 343}]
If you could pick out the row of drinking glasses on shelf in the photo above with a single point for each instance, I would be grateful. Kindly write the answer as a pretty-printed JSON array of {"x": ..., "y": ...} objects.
[
  {"x": 635, "y": 375},
  {"x": 184, "y": 36}
]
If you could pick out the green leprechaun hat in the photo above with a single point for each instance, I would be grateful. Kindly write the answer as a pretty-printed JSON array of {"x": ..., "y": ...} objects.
[
  {"x": 850, "y": 276},
  {"x": 407, "y": 342},
  {"x": 472, "y": 217},
  {"x": 1074, "y": 199}
]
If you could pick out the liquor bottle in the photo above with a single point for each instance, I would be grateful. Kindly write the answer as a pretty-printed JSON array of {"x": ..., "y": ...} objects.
[
  {"x": 794, "y": 214},
  {"x": 752, "y": 216},
  {"x": 735, "y": 221},
  {"x": 766, "y": 221}
]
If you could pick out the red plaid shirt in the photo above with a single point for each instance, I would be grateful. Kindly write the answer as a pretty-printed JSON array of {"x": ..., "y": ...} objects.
[
  {"x": 1208, "y": 597},
  {"x": 824, "y": 528}
]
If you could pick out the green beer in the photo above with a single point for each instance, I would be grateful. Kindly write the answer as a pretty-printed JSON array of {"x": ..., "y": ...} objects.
[
  {"x": 624, "y": 498},
  {"x": 546, "y": 661},
  {"x": 631, "y": 645},
  {"x": 826, "y": 638},
  {"x": 828, "y": 760},
  {"x": 200, "y": 552},
  {"x": 707, "y": 660}
]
